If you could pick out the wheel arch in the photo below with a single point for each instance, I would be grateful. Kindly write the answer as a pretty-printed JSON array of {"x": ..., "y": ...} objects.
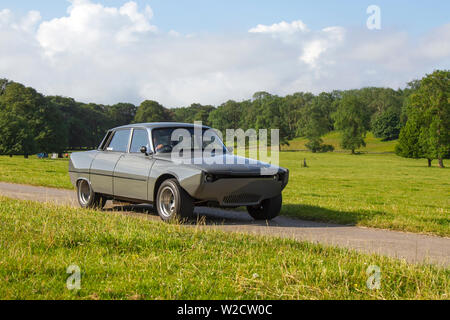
[
  {"x": 160, "y": 180},
  {"x": 79, "y": 179},
  {"x": 83, "y": 179}
]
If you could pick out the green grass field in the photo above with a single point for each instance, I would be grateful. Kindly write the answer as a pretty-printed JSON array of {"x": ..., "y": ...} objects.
[
  {"x": 373, "y": 145},
  {"x": 125, "y": 257},
  {"x": 382, "y": 191},
  {"x": 373, "y": 190},
  {"x": 36, "y": 172}
]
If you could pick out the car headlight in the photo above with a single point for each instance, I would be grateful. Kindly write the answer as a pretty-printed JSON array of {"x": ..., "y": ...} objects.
[
  {"x": 281, "y": 176},
  {"x": 210, "y": 178}
]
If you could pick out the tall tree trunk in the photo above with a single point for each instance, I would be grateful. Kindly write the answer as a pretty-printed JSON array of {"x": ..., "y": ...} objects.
[
  {"x": 353, "y": 151},
  {"x": 429, "y": 163},
  {"x": 441, "y": 163}
]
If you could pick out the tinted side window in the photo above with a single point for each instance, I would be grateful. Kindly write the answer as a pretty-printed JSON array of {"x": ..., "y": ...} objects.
[
  {"x": 119, "y": 141},
  {"x": 140, "y": 139}
]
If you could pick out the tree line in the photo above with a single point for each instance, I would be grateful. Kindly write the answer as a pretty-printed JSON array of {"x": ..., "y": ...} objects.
[{"x": 418, "y": 116}]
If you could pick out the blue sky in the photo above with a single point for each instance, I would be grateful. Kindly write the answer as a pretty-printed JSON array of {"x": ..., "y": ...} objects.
[
  {"x": 223, "y": 16},
  {"x": 210, "y": 51}
]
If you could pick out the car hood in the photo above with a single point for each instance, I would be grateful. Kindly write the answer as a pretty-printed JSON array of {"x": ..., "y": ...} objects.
[{"x": 227, "y": 164}]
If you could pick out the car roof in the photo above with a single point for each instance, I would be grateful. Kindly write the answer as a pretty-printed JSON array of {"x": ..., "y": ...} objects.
[{"x": 154, "y": 125}]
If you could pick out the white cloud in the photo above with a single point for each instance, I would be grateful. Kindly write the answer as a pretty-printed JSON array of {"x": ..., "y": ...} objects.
[
  {"x": 281, "y": 28},
  {"x": 437, "y": 45},
  {"x": 320, "y": 42},
  {"x": 5, "y": 16},
  {"x": 312, "y": 51},
  {"x": 89, "y": 26},
  {"x": 30, "y": 21},
  {"x": 26, "y": 23},
  {"x": 106, "y": 54}
]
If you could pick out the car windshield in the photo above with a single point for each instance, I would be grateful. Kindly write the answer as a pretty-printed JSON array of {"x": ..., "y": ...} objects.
[{"x": 164, "y": 139}]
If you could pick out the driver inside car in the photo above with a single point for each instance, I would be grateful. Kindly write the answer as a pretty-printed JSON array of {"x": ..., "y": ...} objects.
[{"x": 161, "y": 140}]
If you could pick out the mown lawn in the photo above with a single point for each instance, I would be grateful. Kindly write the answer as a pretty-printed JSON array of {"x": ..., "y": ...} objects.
[
  {"x": 373, "y": 145},
  {"x": 373, "y": 190},
  {"x": 382, "y": 191},
  {"x": 34, "y": 171},
  {"x": 124, "y": 257}
]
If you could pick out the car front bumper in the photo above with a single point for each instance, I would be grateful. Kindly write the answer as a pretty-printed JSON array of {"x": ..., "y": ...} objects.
[{"x": 237, "y": 191}]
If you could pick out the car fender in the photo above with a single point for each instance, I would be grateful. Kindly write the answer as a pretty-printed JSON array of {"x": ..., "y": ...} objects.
[
  {"x": 188, "y": 178},
  {"x": 80, "y": 166}
]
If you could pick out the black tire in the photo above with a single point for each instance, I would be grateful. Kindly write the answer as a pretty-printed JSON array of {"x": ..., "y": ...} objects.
[
  {"x": 87, "y": 198},
  {"x": 267, "y": 210},
  {"x": 172, "y": 202}
]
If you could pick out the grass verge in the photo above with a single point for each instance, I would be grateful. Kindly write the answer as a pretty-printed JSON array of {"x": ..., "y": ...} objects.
[{"x": 123, "y": 257}]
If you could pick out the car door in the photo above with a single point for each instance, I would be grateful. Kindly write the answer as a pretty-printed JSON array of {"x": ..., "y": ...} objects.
[
  {"x": 102, "y": 168},
  {"x": 133, "y": 168}
]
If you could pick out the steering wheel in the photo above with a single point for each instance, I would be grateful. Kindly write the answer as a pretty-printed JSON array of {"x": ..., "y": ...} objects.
[{"x": 164, "y": 149}]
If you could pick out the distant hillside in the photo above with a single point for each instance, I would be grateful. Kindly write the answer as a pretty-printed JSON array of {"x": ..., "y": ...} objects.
[{"x": 374, "y": 145}]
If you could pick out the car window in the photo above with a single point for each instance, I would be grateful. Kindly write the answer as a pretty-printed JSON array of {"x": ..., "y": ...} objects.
[
  {"x": 140, "y": 139},
  {"x": 119, "y": 141},
  {"x": 163, "y": 143}
]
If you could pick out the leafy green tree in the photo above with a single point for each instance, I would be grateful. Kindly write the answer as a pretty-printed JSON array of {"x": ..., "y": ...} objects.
[
  {"x": 51, "y": 132},
  {"x": 267, "y": 111},
  {"x": 121, "y": 114},
  {"x": 152, "y": 111},
  {"x": 195, "y": 112},
  {"x": 41, "y": 120},
  {"x": 96, "y": 121},
  {"x": 271, "y": 117},
  {"x": 261, "y": 95},
  {"x": 16, "y": 137},
  {"x": 227, "y": 116},
  {"x": 291, "y": 110},
  {"x": 429, "y": 115},
  {"x": 351, "y": 119},
  {"x": 387, "y": 125},
  {"x": 78, "y": 133},
  {"x": 376, "y": 101},
  {"x": 315, "y": 121},
  {"x": 409, "y": 145}
]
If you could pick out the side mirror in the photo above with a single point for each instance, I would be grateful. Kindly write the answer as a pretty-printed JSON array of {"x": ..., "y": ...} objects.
[
  {"x": 230, "y": 149},
  {"x": 144, "y": 150}
]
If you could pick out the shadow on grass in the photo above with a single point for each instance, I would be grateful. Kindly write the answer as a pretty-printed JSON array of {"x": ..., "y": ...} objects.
[
  {"x": 306, "y": 216},
  {"x": 319, "y": 214}
]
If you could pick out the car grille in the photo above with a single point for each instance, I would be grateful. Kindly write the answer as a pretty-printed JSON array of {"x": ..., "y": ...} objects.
[{"x": 241, "y": 198}]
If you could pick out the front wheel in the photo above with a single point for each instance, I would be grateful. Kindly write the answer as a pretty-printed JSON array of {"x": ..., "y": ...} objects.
[
  {"x": 87, "y": 198},
  {"x": 267, "y": 210},
  {"x": 172, "y": 202}
]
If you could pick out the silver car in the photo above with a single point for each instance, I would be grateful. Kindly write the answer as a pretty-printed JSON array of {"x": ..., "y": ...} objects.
[{"x": 135, "y": 164}]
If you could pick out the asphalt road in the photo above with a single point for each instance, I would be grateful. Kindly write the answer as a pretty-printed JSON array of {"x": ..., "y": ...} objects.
[{"x": 414, "y": 248}]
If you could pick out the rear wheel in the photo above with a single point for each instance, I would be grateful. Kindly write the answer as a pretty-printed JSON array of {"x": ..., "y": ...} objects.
[
  {"x": 172, "y": 202},
  {"x": 267, "y": 210},
  {"x": 87, "y": 198}
]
